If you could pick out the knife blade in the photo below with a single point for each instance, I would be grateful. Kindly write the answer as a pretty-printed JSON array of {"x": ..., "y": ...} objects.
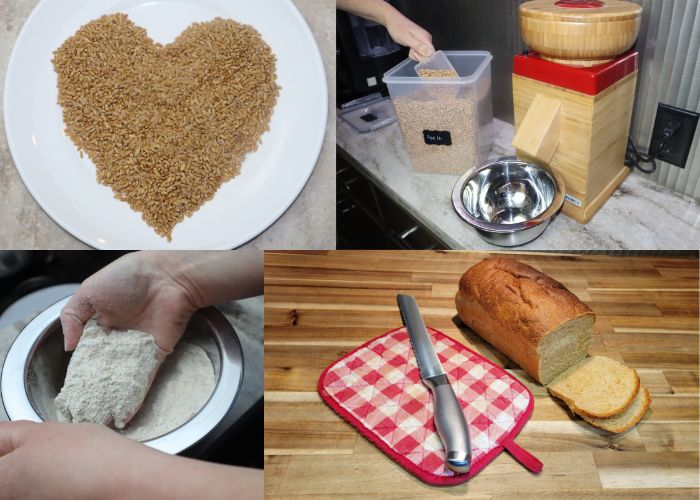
[{"x": 449, "y": 418}]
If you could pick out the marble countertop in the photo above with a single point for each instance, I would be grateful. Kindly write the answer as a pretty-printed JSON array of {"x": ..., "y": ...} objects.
[
  {"x": 309, "y": 223},
  {"x": 640, "y": 215}
]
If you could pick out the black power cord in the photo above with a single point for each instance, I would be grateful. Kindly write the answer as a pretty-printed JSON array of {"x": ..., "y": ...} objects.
[{"x": 633, "y": 157}]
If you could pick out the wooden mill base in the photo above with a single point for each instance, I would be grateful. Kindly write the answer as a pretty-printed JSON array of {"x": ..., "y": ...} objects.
[
  {"x": 585, "y": 213},
  {"x": 591, "y": 137}
]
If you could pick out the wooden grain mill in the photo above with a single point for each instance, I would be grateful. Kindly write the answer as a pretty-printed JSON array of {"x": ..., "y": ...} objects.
[{"x": 573, "y": 96}]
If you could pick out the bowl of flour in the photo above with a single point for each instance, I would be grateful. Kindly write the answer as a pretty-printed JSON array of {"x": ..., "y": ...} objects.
[{"x": 193, "y": 390}]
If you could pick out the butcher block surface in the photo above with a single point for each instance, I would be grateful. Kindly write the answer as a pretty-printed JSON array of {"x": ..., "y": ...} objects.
[{"x": 321, "y": 305}]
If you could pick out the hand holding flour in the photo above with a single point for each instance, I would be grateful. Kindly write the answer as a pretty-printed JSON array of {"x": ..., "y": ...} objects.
[
  {"x": 134, "y": 292},
  {"x": 155, "y": 293}
]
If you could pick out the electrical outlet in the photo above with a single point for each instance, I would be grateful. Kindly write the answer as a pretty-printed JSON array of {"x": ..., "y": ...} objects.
[{"x": 673, "y": 133}]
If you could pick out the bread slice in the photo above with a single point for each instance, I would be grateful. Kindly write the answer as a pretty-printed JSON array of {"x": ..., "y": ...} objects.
[
  {"x": 627, "y": 419},
  {"x": 596, "y": 387}
]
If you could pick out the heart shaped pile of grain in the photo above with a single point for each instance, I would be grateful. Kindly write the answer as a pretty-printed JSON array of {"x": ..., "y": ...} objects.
[{"x": 165, "y": 125}]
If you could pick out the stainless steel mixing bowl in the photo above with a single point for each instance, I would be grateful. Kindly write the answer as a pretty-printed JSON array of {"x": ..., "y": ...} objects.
[
  {"x": 35, "y": 368},
  {"x": 508, "y": 201}
]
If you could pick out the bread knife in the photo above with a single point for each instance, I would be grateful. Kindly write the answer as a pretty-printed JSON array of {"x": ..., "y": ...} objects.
[{"x": 449, "y": 418}]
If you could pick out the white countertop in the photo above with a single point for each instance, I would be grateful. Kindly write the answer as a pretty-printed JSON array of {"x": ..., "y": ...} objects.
[{"x": 641, "y": 215}]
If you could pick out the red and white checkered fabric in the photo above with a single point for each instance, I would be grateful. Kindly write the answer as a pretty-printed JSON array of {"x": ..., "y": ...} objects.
[{"x": 377, "y": 388}]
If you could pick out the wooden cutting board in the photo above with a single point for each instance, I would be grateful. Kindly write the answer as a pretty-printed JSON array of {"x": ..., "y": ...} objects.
[{"x": 321, "y": 305}]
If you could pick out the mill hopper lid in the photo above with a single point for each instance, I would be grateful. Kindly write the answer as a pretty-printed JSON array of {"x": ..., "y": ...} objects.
[{"x": 581, "y": 11}]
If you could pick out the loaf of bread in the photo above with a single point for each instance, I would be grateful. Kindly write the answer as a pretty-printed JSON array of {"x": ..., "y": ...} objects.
[
  {"x": 542, "y": 326},
  {"x": 528, "y": 316}
]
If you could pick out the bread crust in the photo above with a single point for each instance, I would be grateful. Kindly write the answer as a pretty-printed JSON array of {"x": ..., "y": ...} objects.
[
  {"x": 646, "y": 403},
  {"x": 514, "y": 307}
]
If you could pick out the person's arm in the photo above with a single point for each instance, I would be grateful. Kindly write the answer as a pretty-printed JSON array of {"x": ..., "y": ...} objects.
[
  {"x": 214, "y": 277},
  {"x": 375, "y": 10},
  {"x": 401, "y": 29},
  {"x": 198, "y": 479},
  {"x": 85, "y": 461}
]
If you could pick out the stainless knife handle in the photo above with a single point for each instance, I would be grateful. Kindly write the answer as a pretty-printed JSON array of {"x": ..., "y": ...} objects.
[{"x": 451, "y": 424}]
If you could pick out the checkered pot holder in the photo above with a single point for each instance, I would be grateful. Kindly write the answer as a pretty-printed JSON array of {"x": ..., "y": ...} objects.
[{"x": 378, "y": 390}]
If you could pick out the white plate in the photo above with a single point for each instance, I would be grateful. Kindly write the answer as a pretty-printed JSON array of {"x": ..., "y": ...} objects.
[{"x": 64, "y": 185}]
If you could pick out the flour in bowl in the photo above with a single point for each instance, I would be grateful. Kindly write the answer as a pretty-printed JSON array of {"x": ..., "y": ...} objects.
[
  {"x": 107, "y": 380},
  {"x": 182, "y": 387}
]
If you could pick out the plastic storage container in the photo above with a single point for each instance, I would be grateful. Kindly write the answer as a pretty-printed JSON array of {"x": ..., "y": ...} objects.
[{"x": 447, "y": 123}]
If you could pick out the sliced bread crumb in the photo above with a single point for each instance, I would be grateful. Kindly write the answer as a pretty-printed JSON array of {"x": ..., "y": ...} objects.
[
  {"x": 596, "y": 387},
  {"x": 627, "y": 419}
]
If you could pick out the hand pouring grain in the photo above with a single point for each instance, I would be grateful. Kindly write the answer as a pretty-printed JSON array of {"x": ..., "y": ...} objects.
[{"x": 450, "y": 423}]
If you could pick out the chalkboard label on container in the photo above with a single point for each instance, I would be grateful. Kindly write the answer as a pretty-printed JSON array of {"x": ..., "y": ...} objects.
[{"x": 437, "y": 137}]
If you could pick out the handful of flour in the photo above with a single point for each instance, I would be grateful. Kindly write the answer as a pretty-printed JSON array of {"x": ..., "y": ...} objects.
[{"x": 108, "y": 376}]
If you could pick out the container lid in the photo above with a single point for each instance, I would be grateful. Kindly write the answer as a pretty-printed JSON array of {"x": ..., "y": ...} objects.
[
  {"x": 581, "y": 11},
  {"x": 589, "y": 81},
  {"x": 469, "y": 65},
  {"x": 368, "y": 114}
]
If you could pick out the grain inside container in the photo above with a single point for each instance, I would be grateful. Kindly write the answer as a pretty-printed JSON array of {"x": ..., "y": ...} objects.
[{"x": 446, "y": 122}]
